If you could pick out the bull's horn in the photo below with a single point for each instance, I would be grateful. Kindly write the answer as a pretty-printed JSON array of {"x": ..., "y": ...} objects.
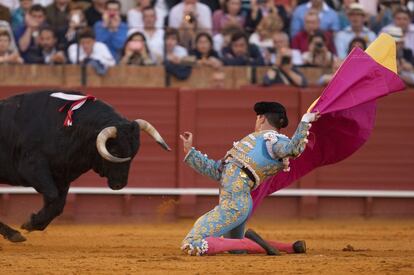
[
  {"x": 147, "y": 127},
  {"x": 103, "y": 136}
]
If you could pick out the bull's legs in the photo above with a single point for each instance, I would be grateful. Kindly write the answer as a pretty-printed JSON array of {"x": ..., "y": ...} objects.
[
  {"x": 11, "y": 234},
  {"x": 53, "y": 207},
  {"x": 37, "y": 173}
]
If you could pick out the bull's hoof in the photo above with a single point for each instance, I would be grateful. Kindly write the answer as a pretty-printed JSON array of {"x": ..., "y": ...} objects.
[
  {"x": 27, "y": 226},
  {"x": 16, "y": 238}
]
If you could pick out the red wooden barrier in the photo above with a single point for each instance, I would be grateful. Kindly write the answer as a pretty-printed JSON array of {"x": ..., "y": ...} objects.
[{"x": 219, "y": 117}]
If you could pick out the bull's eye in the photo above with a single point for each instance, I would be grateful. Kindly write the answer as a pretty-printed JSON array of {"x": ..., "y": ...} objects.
[
  {"x": 117, "y": 149},
  {"x": 114, "y": 152}
]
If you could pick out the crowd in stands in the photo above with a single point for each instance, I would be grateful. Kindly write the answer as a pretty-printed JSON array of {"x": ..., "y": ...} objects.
[{"x": 282, "y": 34}]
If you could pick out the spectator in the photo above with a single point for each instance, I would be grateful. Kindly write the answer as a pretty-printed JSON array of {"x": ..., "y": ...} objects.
[
  {"x": 136, "y": 51},
  {"x": 47, "y": 51},
  {"x": 262, "y": 8},
  {"x": 111, "y": 30},
  {"x": 382, "y": 18},
  {"x": 4, "y": 25},
  {"x": 406, "y": 71},
  {"x": 301, "y": 40},
  {"x": 77, "y": 21},
  {"x": 94, "y": 13},
  {"x": 204, "y": 52},
  {"x": 26, "y": 35},
  {"x": 343, "y": 13},
  {"x": 284, "y": 72},
  {"x": 17, "y": 20},
  {"x": 318, "y": 54},
  {"x": 154, "y": 36},
  {"x": 402, "y": 19},
  {"x": 281, "y": 44},
  {"x": 241, "y": 53},
  {"x": 405, "y": 60},
  {"x": 174, "y": 52},
  {"x": 5, "y": 13},
  {"x": 57, "y": 15},
  {"x": 403, "y": 53},
  {"x": 190, "y": 12},
  {"x": 175, "y": 56},
  {"x": 229, "y": 14},
  {"x": 222, "y": 40},
  {"x": 269, "y": 25},
  {"x": 329, "y": 20},
  {"x": 356, "y": 17},
  {"x": 218, "y": 80},
  {"x": 91, "y": 51},
  {"x": 7, "y": 55},
  {"x": 135, "y": 16},
  {"x": 357, "y": 42}
]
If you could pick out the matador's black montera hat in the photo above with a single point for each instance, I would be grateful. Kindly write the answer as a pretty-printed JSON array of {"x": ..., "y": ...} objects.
[{"x": 264, "y": 107}]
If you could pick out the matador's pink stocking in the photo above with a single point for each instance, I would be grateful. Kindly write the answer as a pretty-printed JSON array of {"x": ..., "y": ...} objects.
[{"x": 220, "y": 245}]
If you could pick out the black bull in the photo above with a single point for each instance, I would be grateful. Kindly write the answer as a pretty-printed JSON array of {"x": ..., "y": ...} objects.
[{"x": 37, "y": 150}]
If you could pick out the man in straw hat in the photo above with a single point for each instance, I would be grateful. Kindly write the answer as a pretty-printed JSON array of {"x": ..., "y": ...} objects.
[{"x": 356, "y": 15}]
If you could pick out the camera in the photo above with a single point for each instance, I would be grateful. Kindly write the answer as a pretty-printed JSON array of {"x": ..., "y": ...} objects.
[
  {"x": 319, "y": 45},
  {"x": 271, "y": 50},
  {"x": 285, "y": 60},
  {"x": 190, "y": 18}
]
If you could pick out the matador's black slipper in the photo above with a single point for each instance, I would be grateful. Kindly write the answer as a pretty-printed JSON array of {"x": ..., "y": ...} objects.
[{"x": 270, "y": 250}]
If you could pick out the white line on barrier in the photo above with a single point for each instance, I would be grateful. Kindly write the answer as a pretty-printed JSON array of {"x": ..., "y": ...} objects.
[{"x": 214, "y": 192}]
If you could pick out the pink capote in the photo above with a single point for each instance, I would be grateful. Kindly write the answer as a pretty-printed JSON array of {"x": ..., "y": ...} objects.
[{"x": 348, "y": 107}]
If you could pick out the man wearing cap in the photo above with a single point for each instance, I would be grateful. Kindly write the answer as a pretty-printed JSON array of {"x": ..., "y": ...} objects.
[
  {"x": 246, "y": 165},
  {"x": 403, "y": 52},
  {"x": 405, "y": 58},
  {"x": 402, "y": 18},
  {"x": 356, "y": 15}
]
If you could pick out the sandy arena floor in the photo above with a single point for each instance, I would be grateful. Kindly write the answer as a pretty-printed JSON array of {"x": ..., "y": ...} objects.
[{"x": 379, "y": 247}]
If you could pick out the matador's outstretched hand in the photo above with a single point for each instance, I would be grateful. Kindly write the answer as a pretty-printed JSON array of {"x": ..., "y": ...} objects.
[{"x": 187, "y": 139}]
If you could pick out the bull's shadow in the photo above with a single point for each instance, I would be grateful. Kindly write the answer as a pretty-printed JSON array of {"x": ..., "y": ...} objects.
[{"x": 49, "y": 138}]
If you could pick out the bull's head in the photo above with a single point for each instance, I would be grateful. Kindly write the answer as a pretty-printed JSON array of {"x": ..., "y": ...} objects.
[{"x": 118, "y": 145}]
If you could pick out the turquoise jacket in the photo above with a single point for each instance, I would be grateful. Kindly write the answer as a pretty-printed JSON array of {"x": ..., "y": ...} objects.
[{"x": 260, "y": 152}]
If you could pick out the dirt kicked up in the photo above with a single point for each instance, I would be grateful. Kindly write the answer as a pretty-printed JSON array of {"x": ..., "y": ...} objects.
[{"x": 334, "y": 247}]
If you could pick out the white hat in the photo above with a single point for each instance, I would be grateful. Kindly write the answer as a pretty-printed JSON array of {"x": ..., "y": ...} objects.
[
  {"x": 395, "y": 32},
  {"x": 356, "y": 8}
]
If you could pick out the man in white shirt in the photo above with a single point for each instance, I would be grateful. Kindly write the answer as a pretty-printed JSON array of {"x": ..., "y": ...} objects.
[
  {"x": 90, "y": 49},
  {"x": 356, "y": 15},
  {"x": 135, "y": 17},
  {"x": 191, "y": 10},
  {"x": 154, "y": 35}
]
